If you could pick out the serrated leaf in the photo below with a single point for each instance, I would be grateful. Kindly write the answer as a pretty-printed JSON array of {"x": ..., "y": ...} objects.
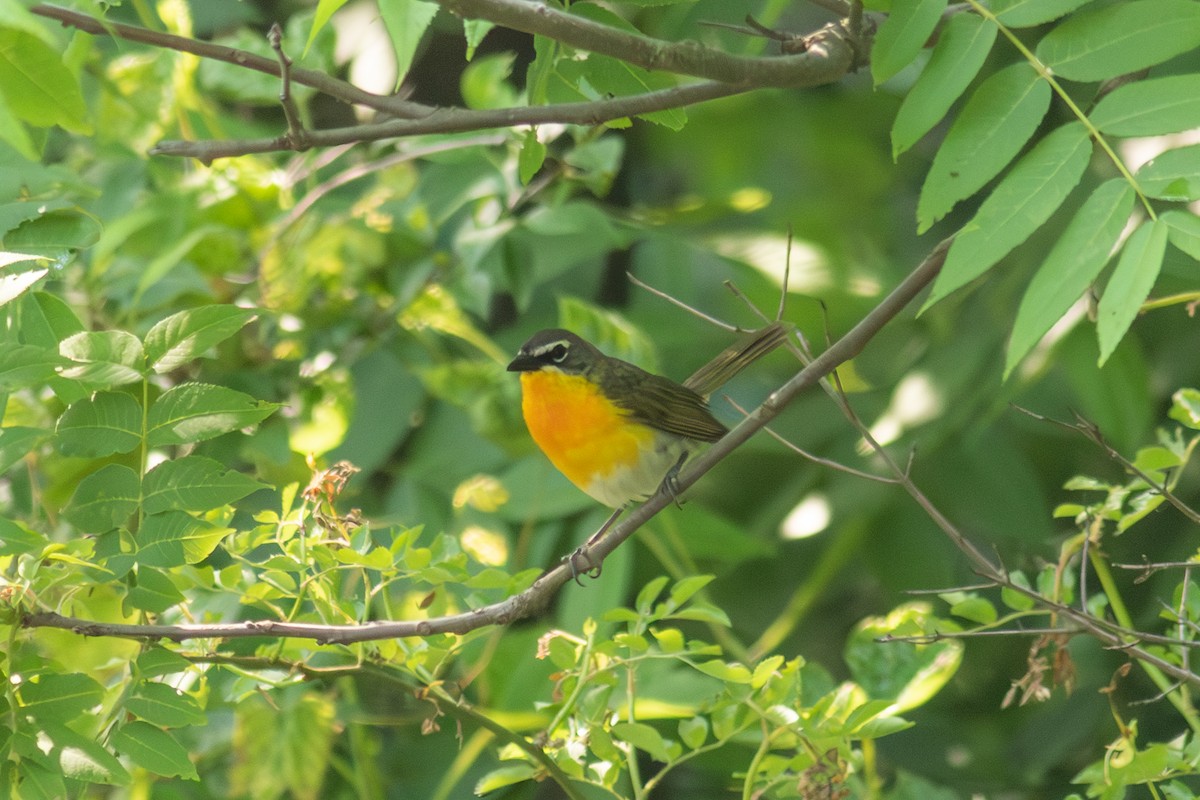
[
  {"x": 60, "y": 698},
  {"x": 1174, "y": 175},
  {"x": 902, "y": 35},
  {"x": 1071, "y": 266},
  {"x": 104, "y": 500},
  {"x": 187, "y": 335},
  {"x": 194, "y": 412},
  {"x": 1150, "y": 107},
  {"x": 153, "y": 749},
  {"x": 1130, "y": 284},
  {"x": 103, "y": 359},
  {"x": 962, "y": 47},
  {"x": 406, "y": 22},
  {"x": 1107, "y": 41},
  {"x": 173, "y": 538},
  {"x": 1026, "y": 13},
  {"x": 194, "y": 483},
  {"x": 100, "y": 425},
  {"x": 993, "y": 127},
  {"x": 38, "y": 88},
  {"x": 1017, "y": 207},
  {"x": 1183, "y": 231},
  {"x": 165, "y": 706}
]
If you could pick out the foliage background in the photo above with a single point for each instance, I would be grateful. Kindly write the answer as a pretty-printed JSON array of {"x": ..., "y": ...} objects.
[{"x": 390, "y": 282}]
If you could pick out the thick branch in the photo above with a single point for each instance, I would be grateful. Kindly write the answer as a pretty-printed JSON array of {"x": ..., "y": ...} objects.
[
  {"x": 543, "y": 589},
  {"x": 815, "y": 67}
]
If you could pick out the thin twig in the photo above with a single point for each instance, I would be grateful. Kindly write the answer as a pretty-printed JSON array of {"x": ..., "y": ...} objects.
[
  {"x": 291, "y": 112},
  {"x": 675, "y": 301}
]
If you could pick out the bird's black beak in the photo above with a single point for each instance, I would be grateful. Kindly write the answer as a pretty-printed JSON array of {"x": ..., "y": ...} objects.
[{"x": 524, "y": 363}]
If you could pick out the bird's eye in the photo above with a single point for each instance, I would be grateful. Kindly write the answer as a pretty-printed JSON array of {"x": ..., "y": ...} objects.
[{"x": 558, "y": 353}]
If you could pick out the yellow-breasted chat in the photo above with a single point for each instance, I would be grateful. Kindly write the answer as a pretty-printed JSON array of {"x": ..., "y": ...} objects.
[{"x": 616, "y": 431}]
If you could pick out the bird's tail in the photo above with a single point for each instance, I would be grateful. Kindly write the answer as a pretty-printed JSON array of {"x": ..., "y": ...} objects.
[{"x": 736, "y": 357}]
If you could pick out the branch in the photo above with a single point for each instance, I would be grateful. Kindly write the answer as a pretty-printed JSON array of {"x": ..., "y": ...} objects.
[
  {"x": 314, "y": 79},
  {"x": 537, "y": 596},
  {"x": 460, "y": 120},
  {"x": 817, "y": 66}
]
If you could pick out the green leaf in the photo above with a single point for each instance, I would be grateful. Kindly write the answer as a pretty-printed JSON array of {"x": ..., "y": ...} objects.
[
  {"x": 189, "y": 334},
  {"x": 730, "y": 673},
  {"x": 993, "y": 127},
  {"x": 1183, "y": 229},
  {"x": 24, "y": 365},
  {"x": 82, "y": 758},
  {"x": 194, "y": 412},
  {"x": 103, "y": 424},
  {"x": 907, "y": 673},
  {"x": 971, "y": 607},
  {"x": 1017, "y": 207},
  {"x": 1130, "y": 284},
  {"x": 1110, "y": 40},
  {"x": 55, "y": 233},
  {"x": 643, "y": 737},
  {"x": 157, "y": 661},
  {"x": 154, "y": 592},
  {"x": 104, "y": 500},
  {"x": 685, "y": 588},
  {"x": 1071, "y": 266},
  {"x": 14, "y": 133},
  {"x": 1026, "y": 13},
  {"x": 16, "y": 539},
  {"x": 1151, "y": 107},
  {"x": 37, "y": 86},
  {"x": 962, "y": 47},
  {"x": 903, "y": 35},
  {"x": 60, "y": 698},
  {"x": 504, "y": 776},
  {"x": 46, "y": 320},
  {"x": 194, "y": 483},
  {"x": 165, "y": 706},
  {"x": 533, "y": 155},
  {"x": 1174, "y": 175},
  {"x": 153, "y": 749},
  {"x": 174, "y": 538},
  {"x": 104, "y": 359},
  {"x": 1185, "y": 408},
  {"x": 325, "y": 10},
  {"x": 649, "y": 593},
  {"x": 1017, "y": 601},
  {"x": 693, "y": 732},
  {"x": 16, "y": 442},
  {"x": 406, "y": 21}
]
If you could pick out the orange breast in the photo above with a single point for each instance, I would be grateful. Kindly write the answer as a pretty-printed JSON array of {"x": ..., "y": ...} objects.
[{"x": 579, "y": 430}]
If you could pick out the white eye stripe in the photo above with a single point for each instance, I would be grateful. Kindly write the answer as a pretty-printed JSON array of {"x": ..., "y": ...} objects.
[{"x": 548, "y": 349}]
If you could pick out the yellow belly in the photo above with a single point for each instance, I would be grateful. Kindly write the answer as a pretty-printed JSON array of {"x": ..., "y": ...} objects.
[{"x": 591, "y": 441}]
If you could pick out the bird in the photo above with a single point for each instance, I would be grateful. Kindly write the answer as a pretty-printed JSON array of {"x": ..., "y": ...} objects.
[{"x": 616, "y": 431}]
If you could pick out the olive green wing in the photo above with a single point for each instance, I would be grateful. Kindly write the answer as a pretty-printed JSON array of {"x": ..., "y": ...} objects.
[{"x": 663, "y": 404}]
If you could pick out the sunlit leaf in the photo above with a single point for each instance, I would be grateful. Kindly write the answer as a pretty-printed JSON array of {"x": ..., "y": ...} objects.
[
  {"x": 153, "y": 749},
  {"x": 37, "y": 86},
  {"x": 1174, "y": 175},
  {"x": 194, "y": 483},
  {"x": 1025, "y": 13},
  {"x": 194, "y": 412},
  {"x": 190, "y": 333},
  {"x": 100, "y": 425},
  {"x": 406, "y": 22}
]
